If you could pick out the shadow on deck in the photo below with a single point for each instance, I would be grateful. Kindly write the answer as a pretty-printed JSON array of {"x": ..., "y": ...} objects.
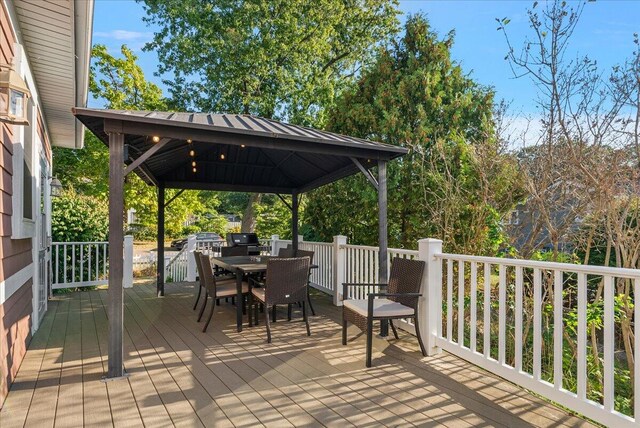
[{"x": 181, "y": 376}]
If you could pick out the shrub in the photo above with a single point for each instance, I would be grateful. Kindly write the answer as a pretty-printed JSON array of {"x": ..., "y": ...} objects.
[{"x": 79, "y": 218}]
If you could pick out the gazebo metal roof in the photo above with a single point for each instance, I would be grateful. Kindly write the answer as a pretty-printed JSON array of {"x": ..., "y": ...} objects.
[
  {"x": 233, "y": 153},
  {"x": 236, "y": 152}
]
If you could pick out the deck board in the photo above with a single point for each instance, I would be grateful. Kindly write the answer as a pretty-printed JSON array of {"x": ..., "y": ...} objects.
[{"x": 180, "y": 376}]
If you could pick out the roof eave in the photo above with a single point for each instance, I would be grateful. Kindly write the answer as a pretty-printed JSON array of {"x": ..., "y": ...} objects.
[{"x": 83, "y": 24}]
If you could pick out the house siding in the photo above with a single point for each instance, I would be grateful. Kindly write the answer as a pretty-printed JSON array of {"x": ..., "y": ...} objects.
[
  {"x": 15, "y": 254},
  {"x": 15, "y": 334}
]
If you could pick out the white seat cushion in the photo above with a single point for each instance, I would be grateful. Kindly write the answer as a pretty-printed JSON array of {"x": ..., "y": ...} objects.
[
  {"x": 259, "y": 293},
  {"x": 381, "y": 308},
  {"x": 227, "y": 289}
]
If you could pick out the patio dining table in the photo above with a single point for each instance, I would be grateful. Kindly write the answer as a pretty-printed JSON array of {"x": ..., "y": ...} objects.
[{"x": 241, "y": 266}]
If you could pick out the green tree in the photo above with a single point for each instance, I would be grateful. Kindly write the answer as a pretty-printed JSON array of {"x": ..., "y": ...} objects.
[
  {"x": 454, "y": 184},
  {"x": 280, "y": 59},
  {"x": 119, "y": 83},
  {"x": 78, "y": 218}
]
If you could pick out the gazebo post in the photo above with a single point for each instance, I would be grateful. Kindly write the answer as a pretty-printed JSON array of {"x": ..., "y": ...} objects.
[
  {"x": 382, "y": 232},
  {"x": 294, "y": 221},
  {"x": 160, "y": 243},
  {"x": 115, "y": 307}
]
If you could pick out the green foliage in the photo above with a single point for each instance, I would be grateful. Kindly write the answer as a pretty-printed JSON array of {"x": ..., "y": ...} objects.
[
  {"x": 454, "y": 184},
  {"x": 273, "y": 218},
  {"x": 274, "y": 58},
  {"x": 78, "y": 218},
  {"x": 120, "y": 83}
]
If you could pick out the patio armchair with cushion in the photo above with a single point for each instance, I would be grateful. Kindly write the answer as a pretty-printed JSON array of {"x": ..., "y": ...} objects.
[
  {"x": 399, "y": 301},
  {"x": 285, "y": 283},
  {"x": 217, "y": 288}
]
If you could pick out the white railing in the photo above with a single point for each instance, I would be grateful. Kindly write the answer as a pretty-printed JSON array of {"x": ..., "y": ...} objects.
[
  {"x": 86, "y": 264},
  {"x": 321, "y": 277},
  {"x": 526, "y": 321},
  {"x": 176, "y": 269}
]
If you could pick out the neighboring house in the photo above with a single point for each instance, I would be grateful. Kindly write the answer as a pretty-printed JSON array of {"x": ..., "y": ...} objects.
[
  {"x": 48, "y": 45},
  {"x": 529, "y": 233}
]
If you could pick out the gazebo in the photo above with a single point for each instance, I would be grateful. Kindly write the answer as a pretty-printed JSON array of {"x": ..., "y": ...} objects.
[{"x": 224, "y": 152}]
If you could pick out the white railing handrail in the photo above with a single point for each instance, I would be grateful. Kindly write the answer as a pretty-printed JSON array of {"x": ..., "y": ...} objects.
[
  {"x": 536, "y": 264},
  {"x": 79, "y": 242},
  {"x": 176, "y": 257}
]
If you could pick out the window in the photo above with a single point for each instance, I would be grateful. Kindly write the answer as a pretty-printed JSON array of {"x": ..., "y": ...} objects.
[
  {"x": 27, "y": 171},
  {"x": 25, "y": 155}
]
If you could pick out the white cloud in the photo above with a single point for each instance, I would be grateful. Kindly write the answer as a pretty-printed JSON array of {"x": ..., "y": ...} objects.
[{"x": 125, "y": 35}]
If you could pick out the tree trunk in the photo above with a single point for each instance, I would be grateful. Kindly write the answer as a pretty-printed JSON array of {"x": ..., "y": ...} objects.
[{"x": 249, "y": 218}]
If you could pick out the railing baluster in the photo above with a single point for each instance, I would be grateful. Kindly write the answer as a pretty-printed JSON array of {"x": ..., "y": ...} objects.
[
  {"x": 537, "y": 323},
  {"x": 502, "y": 312},
  {"x": 608, "y": 334},
  {"x": 461, "y": 303},
  {"x": 73, "y": 263},
  {"x": 64, "y": 270},
  {"x": 90, "y": 248},
  {"x": 582, "y": 336},
  {"x": 557, "y": 328},
  {"x": 81, "y": 262},
  {"x": 97, "y": 272},
  {"x": 449, "y": 300},
  {"x": 105, "y": 260},
  {"x": 486, "y": 311},
  {"x": 473, "y": 294},
  {"x": 518, "y": 326},
  {"x": 636, "y": 348},
  {"x": 57, "y": 246}
]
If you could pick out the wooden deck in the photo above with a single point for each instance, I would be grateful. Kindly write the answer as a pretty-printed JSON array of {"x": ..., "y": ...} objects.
[{"x": 180, "y": 376}]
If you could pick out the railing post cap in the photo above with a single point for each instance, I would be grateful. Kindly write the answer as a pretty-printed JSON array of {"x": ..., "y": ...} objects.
[
  {"x": 275, "y": 236},
  {"x": 430, "y": 240}
]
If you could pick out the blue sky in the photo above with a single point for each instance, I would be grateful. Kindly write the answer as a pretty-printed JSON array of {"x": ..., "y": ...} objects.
[{"x": 605, "y": 33}]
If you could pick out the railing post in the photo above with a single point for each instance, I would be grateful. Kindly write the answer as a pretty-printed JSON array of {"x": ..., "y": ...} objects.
[
  {"x": 430, "y": 304},
  {"x": 339, "y": 264},
  {"x": 274, "y": 244},
  {"x": 191, "y": 260},
  {"x": 127, "y": 267}
]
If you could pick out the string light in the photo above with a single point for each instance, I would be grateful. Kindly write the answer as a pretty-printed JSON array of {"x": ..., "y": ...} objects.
[
  {"x": 189, "y": 141},
  {"x": 155, "y": 139},
  {"x": 194, "y": 170},
  {"x": 193, "y": 163},
  {"x": 192, "y": 153},
  {"x": 242, "y": 145},
  {"x": 222, "y": 156}
]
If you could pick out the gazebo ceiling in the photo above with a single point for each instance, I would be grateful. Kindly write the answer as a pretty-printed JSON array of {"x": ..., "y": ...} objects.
[{"x": 234, "y": 152}]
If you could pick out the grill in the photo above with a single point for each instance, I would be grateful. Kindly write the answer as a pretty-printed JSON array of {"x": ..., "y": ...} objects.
[{"x": 245, "y": 240}]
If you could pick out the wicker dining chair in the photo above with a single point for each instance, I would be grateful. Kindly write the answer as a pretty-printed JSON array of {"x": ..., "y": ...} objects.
[
  {"x": 286, "y": 282},
  {"x": 285, "y": 252},
  {"x": 196, "y": 255},
  {"x": 310, "y": 254},
  {"x": 216, "y": 288},
  {"x": 288, "y": 253},
  {"x": 399, "y": 301}
]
